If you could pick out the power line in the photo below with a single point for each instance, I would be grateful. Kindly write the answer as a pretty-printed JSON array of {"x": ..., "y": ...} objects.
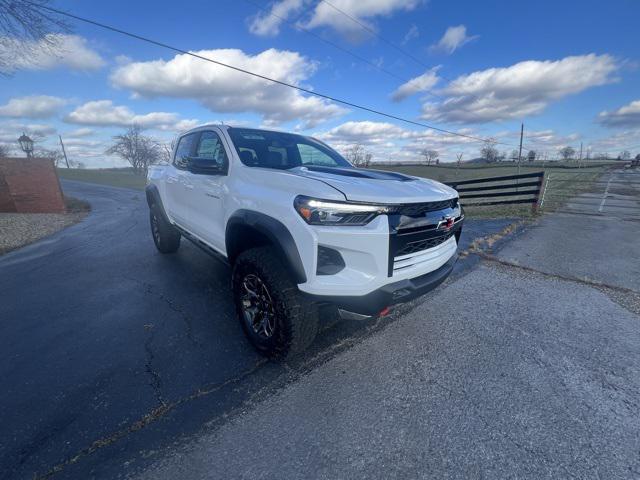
[
  {"x": 263, "y": 77},
  {"x": 376, "y": 34},
  {"x": 328, "y": 42}
]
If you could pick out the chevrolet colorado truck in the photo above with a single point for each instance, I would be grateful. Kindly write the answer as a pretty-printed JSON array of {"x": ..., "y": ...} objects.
[{"x": 301, "y": 227}]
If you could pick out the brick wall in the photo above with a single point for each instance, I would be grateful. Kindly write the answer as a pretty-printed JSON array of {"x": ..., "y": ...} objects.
[{"x": 30, "y": 185}]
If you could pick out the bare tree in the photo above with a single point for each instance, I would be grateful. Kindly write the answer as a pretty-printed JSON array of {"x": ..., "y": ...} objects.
[
  {"x": 166, "y": 149},
  {"x": 567, "y": 153},
  {"x": 4, "y": 150},
  {"x": 514, "y": 155},
  {"x": 26, "y": 28},
  {"x": 357, "y": 155},
  {"x": 139, "y": 150},
  {"x": 625, "y": 155},
  {"x": 489, "y": 151},
  {"x": 532, "y": 155},
  {"x": 430, "y": 155},
  {"x": 54, "y": 155}
]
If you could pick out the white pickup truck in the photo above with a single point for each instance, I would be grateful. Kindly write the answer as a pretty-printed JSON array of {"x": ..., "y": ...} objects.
[{"x": 301, "y": 227}]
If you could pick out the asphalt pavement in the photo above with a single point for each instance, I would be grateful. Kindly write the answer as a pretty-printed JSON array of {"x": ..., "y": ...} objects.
[
  {"x": 111, "y": 353},
  {"x": 506, "y": 372}
]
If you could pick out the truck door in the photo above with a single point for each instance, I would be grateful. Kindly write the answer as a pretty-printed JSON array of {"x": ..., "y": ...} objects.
[
  {"x": 208, "y": 194},
  {"x": 177, "y": 182}
]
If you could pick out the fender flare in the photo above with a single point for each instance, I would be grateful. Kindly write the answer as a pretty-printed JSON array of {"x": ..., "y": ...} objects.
[
  {"x": 153, "y": 198},
  {"x": 278, "y": 234}
]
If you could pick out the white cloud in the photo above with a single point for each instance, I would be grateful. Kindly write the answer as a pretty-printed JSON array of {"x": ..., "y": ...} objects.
[
  {"x": 34, "y": 106},
  {"x": 223, "y": 90},
  {"x": 55, "y": 50},
  {"x": 103, "y": 113},
  {"x": 80, "y": 132},
  {"x": 422, "y": 83},
  {"x": 389, "y": 142},
  {"x": 626, "y": 116},
  {"x": 268, "y": 24},
  {"x": 324, "y": 15},
  {"x": 520, "y": 90},
  {"x": 412, "y": 33},
  {"x": 453, "y": 39},
  {"x": 10, "y": 131}
]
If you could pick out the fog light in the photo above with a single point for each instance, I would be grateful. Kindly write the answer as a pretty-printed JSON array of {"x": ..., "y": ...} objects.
[{"x": 330, "y": 261}]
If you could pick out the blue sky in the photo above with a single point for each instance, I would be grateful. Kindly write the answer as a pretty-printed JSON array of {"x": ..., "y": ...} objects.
[{"x": 569, "y": 70}]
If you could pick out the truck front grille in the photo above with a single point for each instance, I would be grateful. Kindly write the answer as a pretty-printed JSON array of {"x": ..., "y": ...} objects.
[
  {"x": 423, "y": 244},
  {"x": 419, "y": 209}
]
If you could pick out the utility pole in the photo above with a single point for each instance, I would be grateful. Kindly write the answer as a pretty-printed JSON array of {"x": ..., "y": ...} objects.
[
  {"x": 580, "y": 157},
  {"x": 520, "y": 151},
  {"x": 63, "y": 151}
]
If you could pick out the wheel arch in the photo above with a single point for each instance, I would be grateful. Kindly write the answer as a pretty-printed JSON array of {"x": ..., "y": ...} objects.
[{"x": 247, "y": 229}]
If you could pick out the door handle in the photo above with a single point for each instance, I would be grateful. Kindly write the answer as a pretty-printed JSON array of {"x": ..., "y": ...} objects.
[
  {"x": 189, "y": 186},
  {"x": 172, "y": 179}
]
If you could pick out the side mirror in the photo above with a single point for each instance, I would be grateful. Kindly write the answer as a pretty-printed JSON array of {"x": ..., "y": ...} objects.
[{"x": 204, "y": 166}]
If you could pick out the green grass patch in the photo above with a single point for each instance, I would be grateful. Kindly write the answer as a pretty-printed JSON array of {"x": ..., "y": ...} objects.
[{"x": 115, "y": 177}]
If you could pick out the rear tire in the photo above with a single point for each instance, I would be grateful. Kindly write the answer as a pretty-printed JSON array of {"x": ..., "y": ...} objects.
[
  {"x": 276, "y": 317},
  {"x": 165, "y": 235}
]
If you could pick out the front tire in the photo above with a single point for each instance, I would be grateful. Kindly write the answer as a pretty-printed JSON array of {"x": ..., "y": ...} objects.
[
  {"x": 165, "y": 235},
  {"x": 276, "y": 317}
]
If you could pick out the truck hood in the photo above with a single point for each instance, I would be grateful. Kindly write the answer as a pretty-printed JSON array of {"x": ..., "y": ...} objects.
[{"x": 378, "y": 186}]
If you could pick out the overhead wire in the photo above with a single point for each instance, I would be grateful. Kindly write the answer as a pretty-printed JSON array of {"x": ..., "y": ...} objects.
[{"x": 269, "y": 79}]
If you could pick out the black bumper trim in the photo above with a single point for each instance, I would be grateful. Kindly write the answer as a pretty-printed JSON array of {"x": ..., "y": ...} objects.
[{"x": 391, "y": 294}]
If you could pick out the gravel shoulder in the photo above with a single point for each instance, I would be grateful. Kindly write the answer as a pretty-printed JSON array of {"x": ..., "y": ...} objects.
[{"x": 20, "y": 229}]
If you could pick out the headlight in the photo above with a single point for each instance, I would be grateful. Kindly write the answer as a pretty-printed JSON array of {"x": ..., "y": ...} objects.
[{"x": 329, "y": 212}]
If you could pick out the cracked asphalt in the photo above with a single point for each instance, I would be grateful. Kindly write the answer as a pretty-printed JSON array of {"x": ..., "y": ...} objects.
[{"x": 111, "y": 353}]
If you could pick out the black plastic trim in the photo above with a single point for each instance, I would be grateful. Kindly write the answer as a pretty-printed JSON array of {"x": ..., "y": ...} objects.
[
  {"x": 275, "y": 231},
  {"x": 153, "y": 198},
  {"x": 391, "y": 294}
]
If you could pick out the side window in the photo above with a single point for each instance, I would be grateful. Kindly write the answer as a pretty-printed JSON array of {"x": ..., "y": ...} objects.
[
  {"x": 183, "y": 152},
  {"x": 210, "y": 148}
]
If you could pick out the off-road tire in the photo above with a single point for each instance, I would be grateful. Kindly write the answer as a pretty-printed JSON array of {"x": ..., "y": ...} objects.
[
  {"x": 165, "y": 235},
  {"x": 296, "y": 317}
]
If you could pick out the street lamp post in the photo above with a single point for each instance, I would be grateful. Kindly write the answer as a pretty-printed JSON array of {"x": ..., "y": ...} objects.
[{"x": 26, "y": 144}]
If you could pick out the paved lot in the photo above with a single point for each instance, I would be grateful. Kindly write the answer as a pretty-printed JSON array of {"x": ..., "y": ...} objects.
[
  {"x": 110, "y": 351},
  {"x": 504, "y": 373}
]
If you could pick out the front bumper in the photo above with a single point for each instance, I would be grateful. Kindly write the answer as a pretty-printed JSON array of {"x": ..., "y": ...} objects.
[{"x": 393, "y": 293}]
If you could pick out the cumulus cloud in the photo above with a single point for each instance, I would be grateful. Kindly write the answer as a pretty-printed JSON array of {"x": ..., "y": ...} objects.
[
  {"x": 54, "y": 51},
  {"x": 453, "y": 39},
  {"x": 221, "y": 89},
  {"x": 422, "y": 83},
  {"x": 626, "y": 116},
  {"x": 363, "y": 11},
  {"x": 34, "y": 106},
  {"x": 520, "y": 90},
  {"x": 10, "y": 131},
  {"x": 390, "y": 142},
  {"x": 103, "y": 113},
  {"x": 268, "y": 24},
  {"x": 80, "y": 132}
]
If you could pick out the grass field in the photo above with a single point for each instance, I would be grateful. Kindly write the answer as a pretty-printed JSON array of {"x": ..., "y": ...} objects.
[
  {"x": 562, "y": 175},
  {"x": 116, "y": 177}
]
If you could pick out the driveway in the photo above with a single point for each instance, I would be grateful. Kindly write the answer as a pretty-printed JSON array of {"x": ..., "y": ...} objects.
[
  {"x": 110, "y": 351},
  {"x": 526, "y": 367}
]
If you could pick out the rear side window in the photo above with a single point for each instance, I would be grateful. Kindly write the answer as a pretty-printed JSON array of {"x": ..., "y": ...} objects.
[
  {"x": 210, "y": 148},
  {"x": 184, "y": 150}
]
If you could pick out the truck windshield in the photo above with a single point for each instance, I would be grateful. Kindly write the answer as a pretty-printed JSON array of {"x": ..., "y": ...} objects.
[{"x": 263, "y": 148}]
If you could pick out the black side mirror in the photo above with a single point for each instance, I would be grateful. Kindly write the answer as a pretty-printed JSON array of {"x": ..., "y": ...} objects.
[{"x": 204, "y": 166}]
